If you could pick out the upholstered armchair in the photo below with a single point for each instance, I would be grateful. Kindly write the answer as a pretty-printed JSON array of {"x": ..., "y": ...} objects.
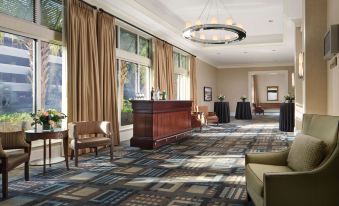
[
  {"x": 9, "y": 161},
  {"x": 258, "y": 109},
  {"x": 89, "y": 135},
  {"x": 210, "y": 117},
  {"x": 288, "y": 178}
]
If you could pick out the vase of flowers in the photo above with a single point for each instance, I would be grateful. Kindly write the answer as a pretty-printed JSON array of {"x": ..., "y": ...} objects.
[
  {"x": 49, "y": 119},
  {"x": 243, "y": 98},
  {"x": 289, "y": 98},
  {"x": 221, "y": 98}
]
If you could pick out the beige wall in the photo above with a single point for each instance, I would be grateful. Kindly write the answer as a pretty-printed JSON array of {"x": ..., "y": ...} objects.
[
  {"x": 332, "y": 74},
  {"x": 206, "y": 77},
  {"x": 264, "y": 81},
  {"x": 315, "y": 81},
  {"x": 233, "y": 82}
]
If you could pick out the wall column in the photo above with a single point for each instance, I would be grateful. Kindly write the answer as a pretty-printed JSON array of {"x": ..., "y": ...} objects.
[{"x": 298, "y": 85}]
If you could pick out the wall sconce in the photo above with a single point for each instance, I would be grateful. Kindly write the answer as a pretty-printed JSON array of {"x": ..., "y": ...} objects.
[{"x": 301, "y": 65}]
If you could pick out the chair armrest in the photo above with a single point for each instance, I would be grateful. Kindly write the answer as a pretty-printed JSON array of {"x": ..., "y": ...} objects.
[
  {"x": 270, "y": 158},
  {"x": 293, "y": 188},
  {"x": 2, "y": 152},
  {"x": 72, "y": 131},
  {"x": 211, "y": 114}
]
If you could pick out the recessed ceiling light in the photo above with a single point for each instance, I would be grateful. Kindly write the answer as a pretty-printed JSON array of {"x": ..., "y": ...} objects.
[
  {"x": 218, "y": 53},
  {"x": 270, "y": 20},
  {"x": 245, "y": 52},
  {"x": 273, "y": 50}
]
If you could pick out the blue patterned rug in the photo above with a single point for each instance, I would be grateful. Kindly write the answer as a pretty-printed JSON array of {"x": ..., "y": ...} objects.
[{"x": 205, "y": 169}]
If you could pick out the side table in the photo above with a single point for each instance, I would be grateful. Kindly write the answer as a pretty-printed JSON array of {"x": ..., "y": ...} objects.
[{"x": 33, "y": 135}]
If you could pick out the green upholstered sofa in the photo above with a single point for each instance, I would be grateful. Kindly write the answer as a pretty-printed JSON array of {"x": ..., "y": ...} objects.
[{"x": 270, "y": 182}]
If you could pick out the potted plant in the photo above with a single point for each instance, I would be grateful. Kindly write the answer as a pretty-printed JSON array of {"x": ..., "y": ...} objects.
[
  {"x": 221, "y": 98},
  {"x": 48, "y": 119},
  {"x": 243, "y": 98},
  {"x": 289, "y": 98}
]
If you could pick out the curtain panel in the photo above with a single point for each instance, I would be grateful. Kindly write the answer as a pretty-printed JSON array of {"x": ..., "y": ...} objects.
[
  {"x": 193, "y": 81},
  {"x": 164, "y": 68},
  {"x": 83, "y": 88},
  {"x": 108, "y": 71}
]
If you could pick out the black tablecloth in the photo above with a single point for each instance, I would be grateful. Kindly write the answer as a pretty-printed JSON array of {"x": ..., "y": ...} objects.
[
  {"x": 286, "y": 120},
  {"x": 243, "y": 111},
  {"x": 222, "y": 110}
]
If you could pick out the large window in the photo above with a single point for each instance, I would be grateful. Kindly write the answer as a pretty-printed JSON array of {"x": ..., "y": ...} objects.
[
  {"x": 16, "y": 78},
  {"x": 133, "y": 54},
  {"x": 51, "y": 14},
  {"x": 181, "y": 72},
  {"x": 23, "y": 9}
]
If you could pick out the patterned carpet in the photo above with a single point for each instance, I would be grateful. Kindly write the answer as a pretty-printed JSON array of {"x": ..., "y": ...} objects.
[{"x": 205, "y": 169}]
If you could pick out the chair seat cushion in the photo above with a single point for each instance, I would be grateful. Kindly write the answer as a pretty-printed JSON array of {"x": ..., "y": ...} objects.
[
  {"x": 16, "y": 159},
  {"x": 306, "y": 153},
  {"x": 91, "y": 142},
  {"x": 255, "y": 175},
  {"x": 212, "y": 118}
]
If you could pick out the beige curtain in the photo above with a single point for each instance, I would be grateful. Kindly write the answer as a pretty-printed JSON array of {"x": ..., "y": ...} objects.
[
  {"x": 164, "y": 68},
  {"x": 108, "y": 71},
  {"x": 83, "y": 92},
  {"x": 193, "y": 80}
]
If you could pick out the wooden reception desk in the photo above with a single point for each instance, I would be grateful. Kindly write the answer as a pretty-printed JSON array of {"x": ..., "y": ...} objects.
[{"x": 156, "y": 123}]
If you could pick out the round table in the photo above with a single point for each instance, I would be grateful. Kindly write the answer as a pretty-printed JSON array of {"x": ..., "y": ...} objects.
[
  {"x": 222, "y": 110},
  {"x": 243, "y": 110},
  {"x": 286, "y": 119},
  {"x": 58, "y": 133}
]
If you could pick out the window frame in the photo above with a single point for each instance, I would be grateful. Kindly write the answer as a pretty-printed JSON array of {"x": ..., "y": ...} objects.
[{"x": 136, "y": 58}]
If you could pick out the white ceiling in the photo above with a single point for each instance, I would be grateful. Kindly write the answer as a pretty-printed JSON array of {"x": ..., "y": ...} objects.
[{"x": 267, "y": 44}]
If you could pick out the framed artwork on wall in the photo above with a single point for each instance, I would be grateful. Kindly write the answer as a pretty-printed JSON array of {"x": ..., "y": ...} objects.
[{"x": 207, "y": 94}]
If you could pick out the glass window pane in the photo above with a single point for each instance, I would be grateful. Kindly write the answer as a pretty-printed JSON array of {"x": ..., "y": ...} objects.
[
  {"x": 16, "y": 81},
  {"x": 183, "y": 61},
  {"x": 144, "y": 45},
  {"x": 128, "y": 90},
  {"x": 22, "y": 9},
  {"x": 176, "y": 61},
  {"x": 144, "y": 81},
  {"x": 51, "y": 14},
  {"x": 51, "y": 76},
  {"x": 128, "y": 41}
]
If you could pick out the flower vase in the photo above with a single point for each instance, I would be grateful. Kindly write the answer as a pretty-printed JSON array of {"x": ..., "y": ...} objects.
[{"x": 46, "y": 126}]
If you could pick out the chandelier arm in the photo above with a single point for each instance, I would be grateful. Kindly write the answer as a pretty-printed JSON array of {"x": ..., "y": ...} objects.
[{"x": 207, "y": 2}]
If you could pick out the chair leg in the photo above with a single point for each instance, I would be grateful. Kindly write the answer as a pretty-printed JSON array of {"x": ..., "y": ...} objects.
[
  {"x": 4, "y": 184},
  {"x": 96, "y": 151},
  {"x": 27, "y": 171},
  {"x": 72, "y": 154},
  {"x": 76, "y": 154},
  {"x": 111, "y": 151}
]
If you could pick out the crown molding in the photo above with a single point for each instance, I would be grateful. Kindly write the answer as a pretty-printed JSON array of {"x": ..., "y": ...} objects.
[{"x": 244, "y": 66}]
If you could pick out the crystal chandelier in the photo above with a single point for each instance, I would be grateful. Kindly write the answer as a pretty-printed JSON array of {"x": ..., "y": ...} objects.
[{"x": 208, "y": 30}]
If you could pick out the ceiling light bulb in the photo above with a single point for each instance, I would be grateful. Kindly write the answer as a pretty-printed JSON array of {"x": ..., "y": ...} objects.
[
  {"x": 229, "y": 21},
  {"x": 193, "y": 34},
  {"x": 202, "y": 36},
  {"x": 188, "y": 24},
  {"x": 227, "y": 37},
  {"x": 215, "y": 37},
  {"x": 214, "y": 20},
  {"x": 198, "y": 22}
]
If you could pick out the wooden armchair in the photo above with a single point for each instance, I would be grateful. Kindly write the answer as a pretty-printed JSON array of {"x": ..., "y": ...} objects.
[
  {"x": 90, "y": 135},
  {"x": 258, "y": 109},
  {"x": 13, "y": 140},
  {"x": 210, "y": 117}
]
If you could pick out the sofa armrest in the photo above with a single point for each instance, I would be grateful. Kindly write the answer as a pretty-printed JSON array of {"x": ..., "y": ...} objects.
[
  {"x": 292, "y": 188},
  {"x": 211, "y": 114},
  {"x": 270, "y": 158}
]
